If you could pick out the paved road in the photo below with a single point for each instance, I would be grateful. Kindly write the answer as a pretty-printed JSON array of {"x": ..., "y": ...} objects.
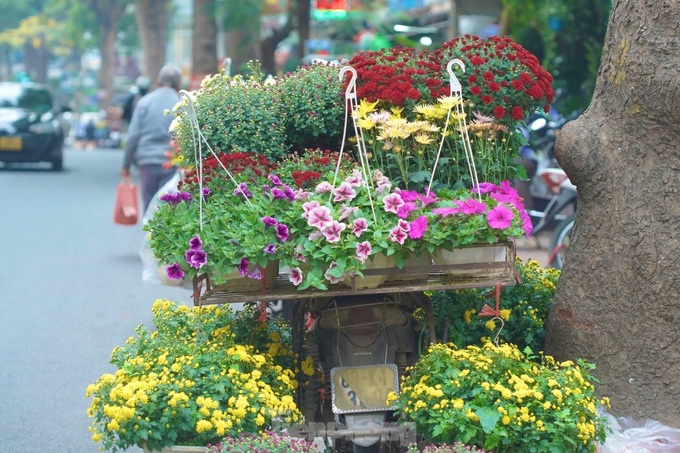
[{"x": 70, "y": 291}]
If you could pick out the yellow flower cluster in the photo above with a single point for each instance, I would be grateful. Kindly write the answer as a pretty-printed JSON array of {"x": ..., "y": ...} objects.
[
  {"x": 498, "y": 393},
  {"x": 189, "y": 369}
]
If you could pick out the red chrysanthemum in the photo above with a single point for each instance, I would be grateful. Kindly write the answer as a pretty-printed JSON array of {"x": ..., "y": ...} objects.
[
  {"x": 517, "y": 113},
  {"x": 499, "y": 112}
]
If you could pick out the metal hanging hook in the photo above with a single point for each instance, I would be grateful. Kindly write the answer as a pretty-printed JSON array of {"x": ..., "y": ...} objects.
[
  {"x": 456, "y": 87},
  {"x": 351, "y": 90}
]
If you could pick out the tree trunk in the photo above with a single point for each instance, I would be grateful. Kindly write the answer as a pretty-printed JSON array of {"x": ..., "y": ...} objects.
[
  {"x": 243, "y": 45},
  {"x": 204, "y": 41},
  {"x": 152, "y": 20},
  {"x": 303, "y": 12},
  {"x": 617, "y": 302},
  {"x": 108, "y": 13}
]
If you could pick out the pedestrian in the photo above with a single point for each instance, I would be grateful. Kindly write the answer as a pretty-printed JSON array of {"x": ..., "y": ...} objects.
[
  {"x": 139, "y": 90},
  {"x": 148, "y": 137}
]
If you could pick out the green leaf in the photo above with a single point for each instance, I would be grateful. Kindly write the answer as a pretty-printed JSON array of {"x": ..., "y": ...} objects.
[{"x": 488, "y": 417}]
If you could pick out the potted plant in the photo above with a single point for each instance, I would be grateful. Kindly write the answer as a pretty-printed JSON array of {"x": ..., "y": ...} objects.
[
  {"x": 232, "y": 221},
  {"x": 404, "y": 91},
  {"x": 194, "y": 380},
  {"x": 502, "y": 399}
]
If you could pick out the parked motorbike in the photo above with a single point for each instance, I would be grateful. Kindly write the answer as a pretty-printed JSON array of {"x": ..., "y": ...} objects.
[{"x": 363, "y": 345}]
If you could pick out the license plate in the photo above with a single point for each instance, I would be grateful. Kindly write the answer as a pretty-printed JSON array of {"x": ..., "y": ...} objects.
[
  {"x": 10, "y": 143},
  {"x": 363, "y": 388}
]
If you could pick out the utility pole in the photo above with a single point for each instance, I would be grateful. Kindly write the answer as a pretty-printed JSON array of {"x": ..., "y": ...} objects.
[{"x": 453, "y": 19}]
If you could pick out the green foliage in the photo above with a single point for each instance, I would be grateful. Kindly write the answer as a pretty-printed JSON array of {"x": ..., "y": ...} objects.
[
  {"x": 312, "y": 99},
  {"x": 572, "y": 52},
  {"x": 183, "y": 384},
  {"x": 524, "y": 309},
  {"x": 503, "y": 400},
  {"x": 235, "y": 114}
]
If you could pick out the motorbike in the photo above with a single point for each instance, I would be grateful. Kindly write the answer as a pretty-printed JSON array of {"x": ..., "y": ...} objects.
[
  {"x": 363, "y": 345},
  {"x": 549, "y": 197}
]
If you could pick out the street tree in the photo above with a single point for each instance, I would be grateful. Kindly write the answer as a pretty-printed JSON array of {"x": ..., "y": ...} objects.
[
  {"x": 203, "y": 40},
  {"x": 107, "y": 13},
  {"x": 152, "y": 22},
  {"x": 616, "y": 302}
]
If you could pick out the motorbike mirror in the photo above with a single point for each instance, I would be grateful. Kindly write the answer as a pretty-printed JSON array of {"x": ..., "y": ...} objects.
[{"x": 538, "y": 124}]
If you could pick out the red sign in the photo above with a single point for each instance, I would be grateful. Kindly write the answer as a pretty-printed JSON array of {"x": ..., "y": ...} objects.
[{"x": 330, "y": 4}]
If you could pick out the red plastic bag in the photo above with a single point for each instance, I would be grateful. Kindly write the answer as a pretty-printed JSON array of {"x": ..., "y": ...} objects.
[{"x": 126, "y": 209}]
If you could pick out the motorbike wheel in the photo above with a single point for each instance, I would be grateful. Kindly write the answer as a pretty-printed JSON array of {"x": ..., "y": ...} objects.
[{"x": 560, "y": 242}]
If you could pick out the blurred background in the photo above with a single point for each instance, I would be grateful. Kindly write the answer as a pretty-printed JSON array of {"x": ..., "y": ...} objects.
[{"x": 93, "y": 53}]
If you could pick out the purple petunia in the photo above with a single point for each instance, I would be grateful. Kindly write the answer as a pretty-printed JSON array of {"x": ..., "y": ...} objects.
[
  {"x": 278, "y": 194},
  {"x": 195, "y": 243},
  {"x": 175, "y": 198},
  {"x": 270, "y": 249},
  {"x": 255, "y": 274},
  {"x": 175, "y": 271},
  {"x": 484, "y": 187},
  {"x": 243, "y": 190},
  {"x": 282, "y": 232},
  {"x": 205, "y": 192},
  {"x": 269, "y": 221},
  {"x": 196, "y": 258},
  {"x": 275, "y": 180},
  {"x": 243, "y": 266}
]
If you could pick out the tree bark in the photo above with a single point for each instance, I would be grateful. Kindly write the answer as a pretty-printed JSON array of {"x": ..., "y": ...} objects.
[
  {"x": 152, "y": 20},
  {"x": 617, "y": 302},
  {"x": 204, "y": 41}
]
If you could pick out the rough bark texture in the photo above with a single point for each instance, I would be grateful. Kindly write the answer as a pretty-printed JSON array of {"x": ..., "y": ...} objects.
[
  {"x": 152, "y": 19},
  {"x": 618, "y": 300}
]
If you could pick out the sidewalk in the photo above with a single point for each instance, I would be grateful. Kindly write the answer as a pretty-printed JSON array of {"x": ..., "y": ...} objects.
[{"x": 535, "y": 248}]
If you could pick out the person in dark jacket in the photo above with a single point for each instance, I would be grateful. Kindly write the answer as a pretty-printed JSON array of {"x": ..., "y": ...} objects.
[{"x": 148, "y": 138}]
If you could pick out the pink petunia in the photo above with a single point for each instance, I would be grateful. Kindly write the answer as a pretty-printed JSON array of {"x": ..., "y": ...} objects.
[
  {"x": 319, "y": 217},
  {"x": 306, "y": 207},
  {"x": 360, "y": 225},
  {"x": 355, "y": 179},
  {"x": 255, "y": 274},
  {"x": 295, "y": 276},
  {"x": 472, "y": 206},
  {"x": 333, "y": 231},
  {"x": 428, "y": 198},
  {"x": 346, "y": 211},
  {"x": 364, "y": 250},
  {"x": 333, "y": 280},
  {"x": 324, "y": 187},
  {"x": 484, "y": 187},
  {"x": 397, "y": 235},
  {"x": 445, "y": 212},
  {"x": 408, "y": 195},
  {"x": 527, "y": 226},
  {"x": 418, "y": 227},
  {"x": 315, "y": 235},
  {"x": 393, "y": 202},
  {"x": 344, "y": 193},
  {"x": 404, "y": 225},
  {"x": 383, "y": 186},
  {"x": 301, "y": 195},
  {"x": 499, "y": 217},
  {"x": 406, "y": 209}
]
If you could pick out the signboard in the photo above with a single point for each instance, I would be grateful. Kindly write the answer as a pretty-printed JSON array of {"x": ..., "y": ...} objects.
[{"x": 363, "y": 388}]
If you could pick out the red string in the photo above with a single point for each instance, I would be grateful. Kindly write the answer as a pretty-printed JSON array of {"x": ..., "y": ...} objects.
[{"x": 487, "y": 310}]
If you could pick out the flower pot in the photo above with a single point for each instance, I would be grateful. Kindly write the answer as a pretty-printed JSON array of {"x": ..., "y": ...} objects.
[
  {"x": 177, "y": 449},
  {"x": 235, "y": 282},
  {"x": 468, "y": 255},
  {"x": 378, "y": 261},
  {"x": 422, "y": 261}
]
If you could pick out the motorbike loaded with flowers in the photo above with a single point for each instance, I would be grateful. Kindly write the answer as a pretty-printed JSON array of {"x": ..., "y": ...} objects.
[{"x": 353, "y": 241}]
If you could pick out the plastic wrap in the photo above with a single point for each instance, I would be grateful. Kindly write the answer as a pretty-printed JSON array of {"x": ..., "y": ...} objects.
[{"x": 630, "y": 436}]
